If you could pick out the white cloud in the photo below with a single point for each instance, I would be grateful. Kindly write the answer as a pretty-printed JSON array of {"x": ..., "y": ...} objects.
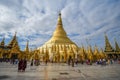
[{"x": 35, "y": 20}]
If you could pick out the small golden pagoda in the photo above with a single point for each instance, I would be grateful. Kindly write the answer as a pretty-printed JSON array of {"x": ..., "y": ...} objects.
[
  {"x": 90, "y": 53},
  {"x": 26, "y": 52},
  {"x": 59, "y": 48},
  {"x": 14, "y": 47},
  {"x": 83, "y": 55},
  {"x": 102, "y": 54},
  {"x": 96, "y": 53},
  {"x": 10, "y": 51}
]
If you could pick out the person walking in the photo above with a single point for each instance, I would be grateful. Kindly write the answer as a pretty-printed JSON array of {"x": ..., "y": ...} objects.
[
  {"x": 24, "y": 65},
  {"x": 72, "y": 63},
  {"x": 46, "y": 61},
  {"x": 20, "y": 65},
  {"x": 31, "y": 63}
]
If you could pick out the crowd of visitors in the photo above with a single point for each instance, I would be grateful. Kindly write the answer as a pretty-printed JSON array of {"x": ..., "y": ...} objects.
[{"x": 22, "y": 63}]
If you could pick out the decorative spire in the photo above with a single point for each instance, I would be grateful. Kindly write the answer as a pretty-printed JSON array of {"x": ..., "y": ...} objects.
[
  {"x": 14, "y": 43},
  {"x": 108, "y": 47},
  {"x": 27, "y": 46},
  {"x": 96, "y": 51},
  {"x": 14, "y": 40},
  {"x": 90, "y": 53},
  {"x": 90, "y": 49},
  {"x": 116, "y": 46},
  {"x": 102, "y": 54},
  {"x": 83, "y": 50},
  {"x": 2, "y": 42},
  {"x": 15, "y": 33}
]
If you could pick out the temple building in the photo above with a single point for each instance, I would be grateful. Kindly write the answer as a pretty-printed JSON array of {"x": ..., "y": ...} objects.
[
  {"x": 12, "y": 50},
  {"x": 110, "y": 51},
  {"x": 59, "y": 48}
]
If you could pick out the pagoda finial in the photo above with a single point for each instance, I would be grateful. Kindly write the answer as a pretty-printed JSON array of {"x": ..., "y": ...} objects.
[
  {"x": 59, "y": 19},
  {"x": 15, "y": 33},
  {"x": 14, "y": 37},
  {"x": 60, "y": 13}
]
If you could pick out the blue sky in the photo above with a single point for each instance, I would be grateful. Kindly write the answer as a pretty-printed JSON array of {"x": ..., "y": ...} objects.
[{"x": 35, "y": 20}]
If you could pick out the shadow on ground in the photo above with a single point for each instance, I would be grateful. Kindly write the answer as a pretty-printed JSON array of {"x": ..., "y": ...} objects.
[{"x": 4, "y": 77}]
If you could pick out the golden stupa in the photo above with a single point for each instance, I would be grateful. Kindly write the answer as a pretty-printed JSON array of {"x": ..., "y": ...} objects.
[{"x": 59, "y": 48}]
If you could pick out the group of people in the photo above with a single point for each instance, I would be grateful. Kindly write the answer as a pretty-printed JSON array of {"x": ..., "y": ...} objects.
[
  {"x": 4, "y": 60},
  {"x": 22, "y": 65},
  {"x": 103, "y": 62},
  {"x": 107, "y": 61},
  {"x": 98, "y": 62},
  {"x": 35, "y": 62},
  {"x": 88, "y": 62}
]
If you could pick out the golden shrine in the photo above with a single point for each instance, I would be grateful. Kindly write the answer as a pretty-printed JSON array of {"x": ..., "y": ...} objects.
[{"x": 59, "y": 48}]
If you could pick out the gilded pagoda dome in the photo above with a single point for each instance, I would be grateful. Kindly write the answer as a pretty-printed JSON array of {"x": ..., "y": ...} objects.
[
  {"x": 59, "y": 35},
  {"x": 59, "y": 47}
]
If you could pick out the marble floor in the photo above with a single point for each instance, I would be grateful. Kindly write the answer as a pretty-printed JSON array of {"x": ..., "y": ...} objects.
[{"x": 60, "y": 71}]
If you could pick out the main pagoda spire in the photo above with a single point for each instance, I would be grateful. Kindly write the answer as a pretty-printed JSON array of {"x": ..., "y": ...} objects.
[
  {"x": 59, "y": 35},
  {"x": 108, "y": 47}
]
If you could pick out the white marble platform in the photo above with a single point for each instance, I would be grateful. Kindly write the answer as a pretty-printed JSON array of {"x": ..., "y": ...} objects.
[{"x": 60, "y": 71}]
